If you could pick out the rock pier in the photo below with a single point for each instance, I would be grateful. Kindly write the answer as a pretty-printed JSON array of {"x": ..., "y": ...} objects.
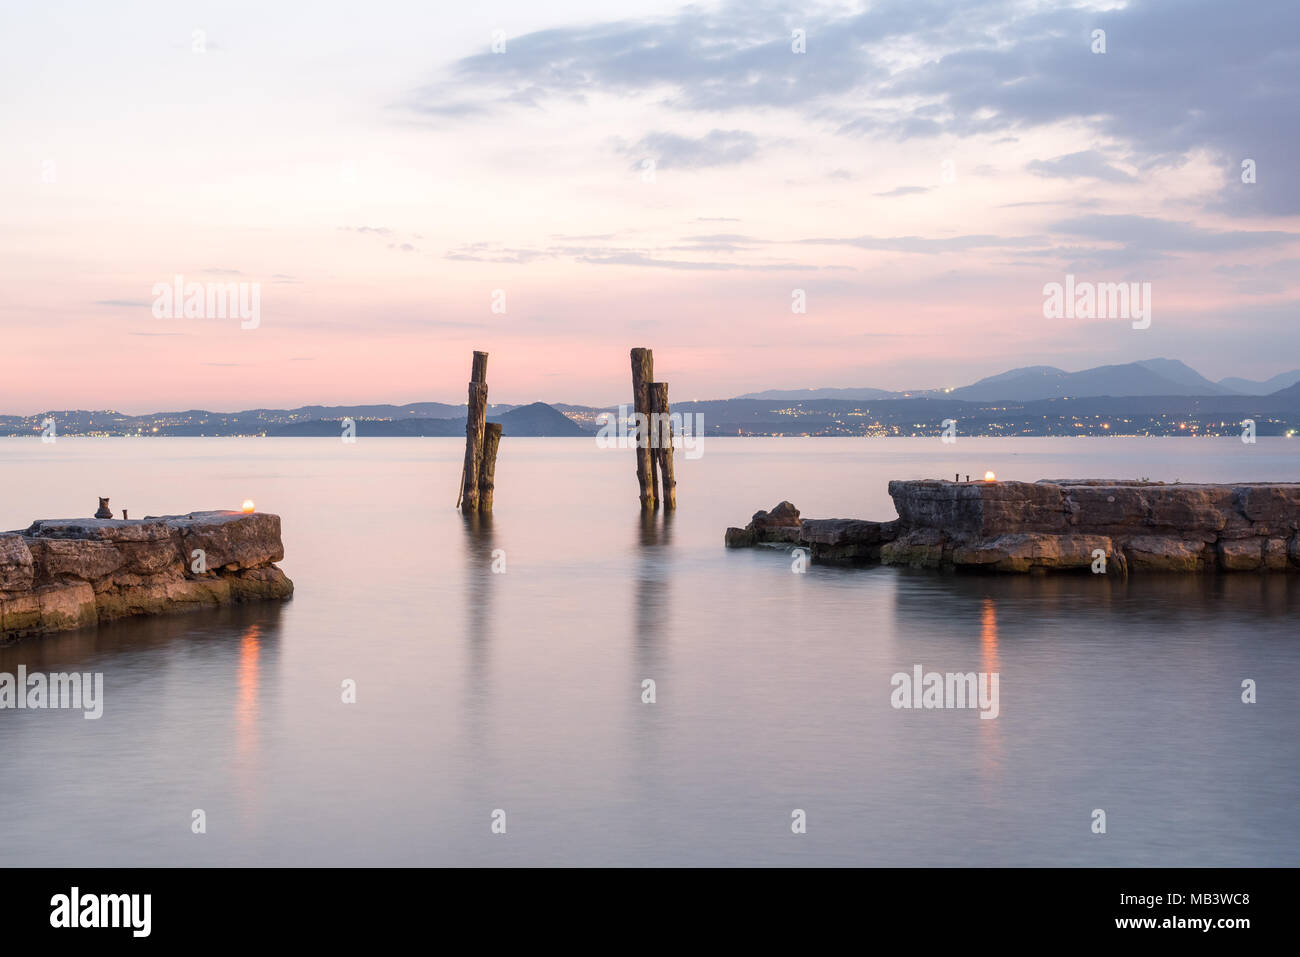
[
  {"x": 71, "y": 573},
  {"x": 1097, "y": 525}
]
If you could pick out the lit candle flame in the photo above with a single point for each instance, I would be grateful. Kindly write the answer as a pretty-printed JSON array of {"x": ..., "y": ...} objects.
[
  {"x": 248, "y": 506},
  {"x": 990, "y": 477}
]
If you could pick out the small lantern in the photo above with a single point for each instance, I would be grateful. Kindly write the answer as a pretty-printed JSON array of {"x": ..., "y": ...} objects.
[
  {"x": 248, "y": 505},
  {"x": 990, "y": 477}
]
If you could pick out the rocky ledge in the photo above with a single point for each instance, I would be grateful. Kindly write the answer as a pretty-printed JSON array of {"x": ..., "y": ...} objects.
[
  {"x": 1083, "y": 525},
  {"x": 69, "y": 573}
]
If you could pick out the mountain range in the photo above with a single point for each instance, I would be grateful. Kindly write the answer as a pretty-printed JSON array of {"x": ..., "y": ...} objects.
[
  {"x": 1153, "y": 397},
  {"x": 1030, "y": 383}
]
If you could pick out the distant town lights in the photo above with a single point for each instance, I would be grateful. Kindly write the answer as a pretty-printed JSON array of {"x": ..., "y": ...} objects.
[{"x": 248, "y": 506}]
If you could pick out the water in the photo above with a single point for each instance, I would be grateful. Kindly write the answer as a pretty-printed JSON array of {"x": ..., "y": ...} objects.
[{"x": 522, "y": 691}]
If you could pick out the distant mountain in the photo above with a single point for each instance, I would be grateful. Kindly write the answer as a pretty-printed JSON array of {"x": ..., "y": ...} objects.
[
  {"x": 1028, "y": 383},
  {"x": 1130, "y": 379},
  {"x": 1046, "y": 372},
  {"x": 1267, "y": 387},
  {"x": 853, "y": 395},
  {"x": 537, "y": 419},
  {"x": 525, "y": 421},
  {"x": 1184, "y": 375},
  {"x": 414, "y": 410},
  {"x": 1290, "y": 392},
  {"x": 365, "y": 428},
  {"x": 567, "y": 407}
]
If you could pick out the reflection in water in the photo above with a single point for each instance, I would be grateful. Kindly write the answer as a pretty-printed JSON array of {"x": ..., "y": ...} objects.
[
  {"x": 246, "y": 711},
  {"x": 479, "y": 546},
  {"x": 989, "y": 637},
  {"x": 991, "y": 752},
  {"x": 248, "y": 722},
  {"x": 654, "y": 534},
  {"x": 115, "y": 643}
]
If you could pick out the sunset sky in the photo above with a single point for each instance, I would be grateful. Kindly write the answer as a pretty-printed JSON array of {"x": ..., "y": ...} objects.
[{"x": 921, "y": 171}]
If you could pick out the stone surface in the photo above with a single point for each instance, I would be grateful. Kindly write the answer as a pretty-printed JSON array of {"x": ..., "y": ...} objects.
[
  {"x": 70, "y": 573},
  {"x": 1022, "y": 551},
  {"x": 919, "y": 548},
  {"x": 229, "y": 538},
  {"x": 1242, "y": 554},
  {"x": 845, "y": 540},
  {"x": 784, "y": 515},
  {"x": 64, "y": 607},
  {"x": 1275, "y": 554},
  {"x": 1164, "y": 553},
  {"x": 740, "y": 537},
  {"x": 16, "y": 571}
]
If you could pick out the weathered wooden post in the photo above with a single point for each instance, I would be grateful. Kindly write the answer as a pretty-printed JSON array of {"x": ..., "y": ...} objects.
[
  {"x": 488, "y": 465},
  {"x": 475, "y": 418},
  {"x": 643, "y": 363},
  {"x": 661, "y": 430}
]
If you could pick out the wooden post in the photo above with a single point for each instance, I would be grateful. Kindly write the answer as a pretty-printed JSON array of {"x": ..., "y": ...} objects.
[
  {"x": 475, "y": 417},
  {"x": 661, "y": 430},
  {"x": 488, "y": 466},
  {"x": 643, "y": 363}
]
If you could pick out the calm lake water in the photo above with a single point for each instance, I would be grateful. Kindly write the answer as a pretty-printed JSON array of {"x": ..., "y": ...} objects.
[{"x": 522, "y": 691}]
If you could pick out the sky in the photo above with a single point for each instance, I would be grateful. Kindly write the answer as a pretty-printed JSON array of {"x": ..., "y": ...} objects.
[{"x": 556, "y": 183}]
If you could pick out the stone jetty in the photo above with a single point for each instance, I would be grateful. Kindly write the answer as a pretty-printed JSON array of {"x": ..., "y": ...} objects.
[
  {"x": 71, "y": 573},
  {"x": 1094, "y": 525}
]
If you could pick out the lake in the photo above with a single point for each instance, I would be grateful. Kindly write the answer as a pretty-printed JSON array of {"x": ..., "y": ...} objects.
[{"x": 520, "y": 688}]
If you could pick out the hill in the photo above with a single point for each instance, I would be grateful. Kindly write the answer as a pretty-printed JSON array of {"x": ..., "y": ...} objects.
[
  {"x": 537, "y": 419},
  {"x": 1130, "y": 379},
  {"x": 1266, "y": 387},
  {"x": 525, "y": 421}
]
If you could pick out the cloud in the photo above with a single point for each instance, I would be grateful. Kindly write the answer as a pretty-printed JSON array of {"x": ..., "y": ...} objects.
[
  {"x": 370, "y": 230},
  {"x": 1086, "y": 164},
  {"x": 922, "y": 244},
  {"x": 905, "y": 191},
  {"x": 715, "y": 148},
  {"x": 1178, "y": 76},
  {"x": 1164, "y": 234},
  {"x": 382, "y": 232},
  {"x": 638, "y": 259},
  {"x": 126, "y": 303},
  {"x": 494, "y": 253},
  {"x": 737, "y": 55}
]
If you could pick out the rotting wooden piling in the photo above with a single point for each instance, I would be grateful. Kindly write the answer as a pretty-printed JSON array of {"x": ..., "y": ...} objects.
[
  {"x": 488, "y": 465},
  {"x": 642, "y": 374},
  {"x": 475, "y": 419},
  {"x": 661, "y": 432}
]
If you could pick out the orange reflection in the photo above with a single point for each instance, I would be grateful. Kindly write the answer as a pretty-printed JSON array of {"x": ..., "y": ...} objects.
[
  {"x": 991, "y": 756},
  {"x": 246, "y": 720},
  {"x": 989, "y": 637},
  {"x": 250, "y": 649}
]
